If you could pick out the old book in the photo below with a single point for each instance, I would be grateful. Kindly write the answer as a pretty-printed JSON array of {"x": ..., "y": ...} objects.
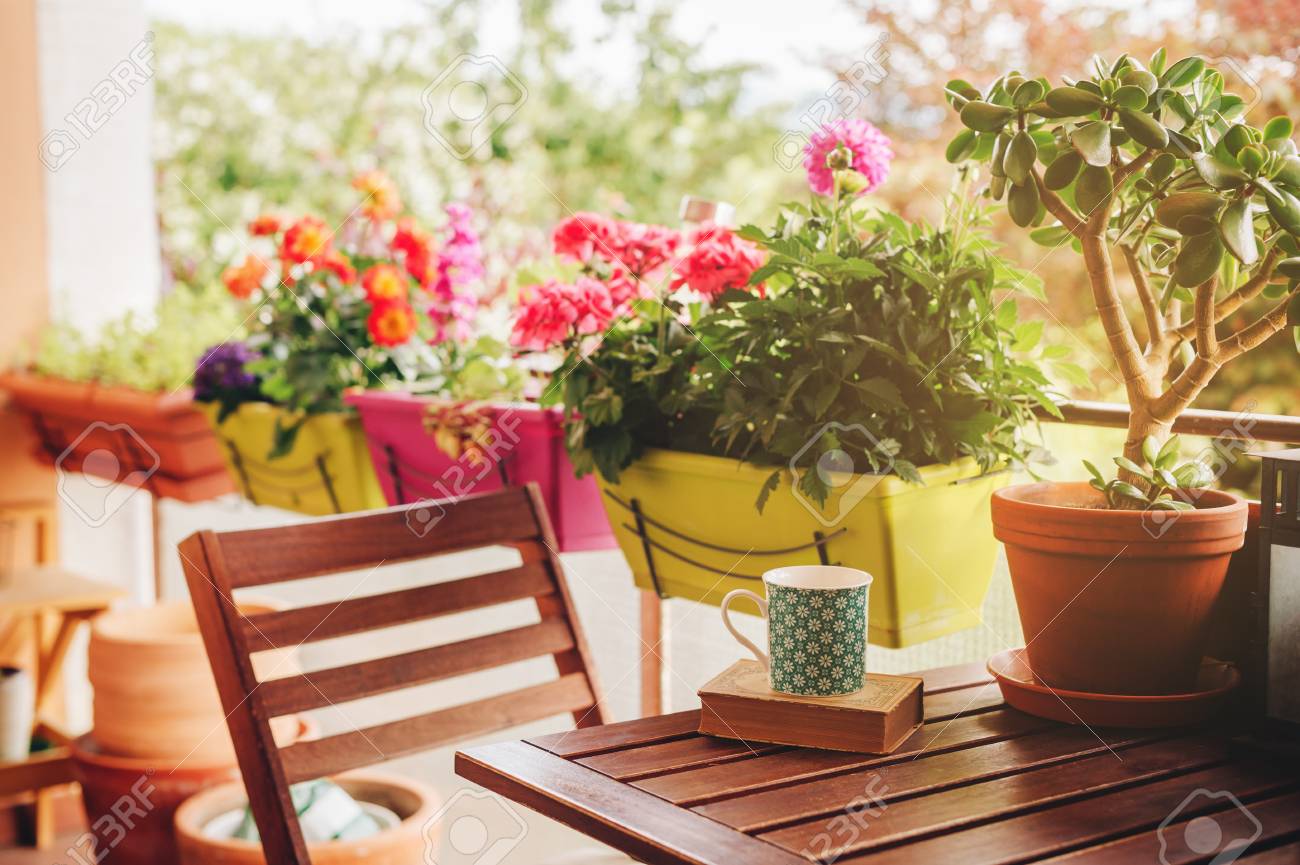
[{"x": 739, "y": 704}]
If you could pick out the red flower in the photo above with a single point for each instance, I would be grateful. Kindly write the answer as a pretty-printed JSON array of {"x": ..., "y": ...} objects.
[
  {"x": 338, "y": 264},
  {"x": 416, "y": 246},
  {"x": 243, "y": 280},
  {"x": 307, "y": 238},
  {"x": 384, "y": 283},
  {"x": 585, "y": 234},
  {"x": 549, "y": 313},
  {"x": 718, "y": 260},
  {"x": 264, "y": 225},
  {"x": 643, "y": 248},
  {"x": 381, "y": 201},
  {"x": 391, "y": 323}
]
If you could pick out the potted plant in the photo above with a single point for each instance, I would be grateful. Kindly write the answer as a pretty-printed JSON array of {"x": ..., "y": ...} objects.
[
  {"x": 828, "y": 391},
  {"x": 125, "y": 392},
  {"x": 1153, "y": 166},
  {"x": 369, "y": 304}
]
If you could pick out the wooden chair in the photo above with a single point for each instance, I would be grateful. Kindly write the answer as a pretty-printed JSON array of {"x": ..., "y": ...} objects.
[{"x": 215, "y": 564}]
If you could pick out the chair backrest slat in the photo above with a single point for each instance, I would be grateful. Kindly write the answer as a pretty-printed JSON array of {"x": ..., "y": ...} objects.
[
  {"x": 216, "y": 564},
  {"x": 307, "y": 761},
  {"x": 335, "y": 685},
  {"x": 276, "y": 630},
  {"x": 345, "y": 543}
]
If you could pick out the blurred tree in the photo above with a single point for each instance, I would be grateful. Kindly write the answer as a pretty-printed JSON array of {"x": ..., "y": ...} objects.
[{"x": 246, "y": 123}]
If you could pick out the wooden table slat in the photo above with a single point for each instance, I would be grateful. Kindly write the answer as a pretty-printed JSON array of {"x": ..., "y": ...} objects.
[
  {"x": 942, "y": 679},
  {"x": 634, "y": 763},
  {"x": 1287, "y": 854},
  {"x": 962, "y": 701},
  {"x": 1044, "y": 832},
  {"x": 826, "y": 797},
  {"x": 623, "y": 734},
  {"x": 649, "y": 829},
  {"x": 718, "y": 782},
  {"x": 1261, "y": 824}
]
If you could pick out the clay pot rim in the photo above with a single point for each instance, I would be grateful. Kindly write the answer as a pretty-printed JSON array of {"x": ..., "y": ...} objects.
[
  {"x": 997, "y": 663},
  {"x": 188, "y": 828},
  {"x": 1014, "y": 501},
  {"x": 115, "y": 626}
]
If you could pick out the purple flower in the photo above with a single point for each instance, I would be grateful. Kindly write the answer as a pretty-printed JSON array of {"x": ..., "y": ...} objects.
[
  {"x": 220, "y": 372},
  {"x": 870, "y": 149}
]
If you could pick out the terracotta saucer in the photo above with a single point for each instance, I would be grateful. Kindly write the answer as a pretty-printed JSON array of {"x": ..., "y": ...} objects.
[{"x": 1023, "y": 691}]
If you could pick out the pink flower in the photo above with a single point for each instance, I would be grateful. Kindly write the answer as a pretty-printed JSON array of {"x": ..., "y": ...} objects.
[
  {"x": 552, "y": 312},
  {"x": 460, "y": 262},
  {"x": 717, "y": 260},
  {"x": 870, "y": 148},
  {"x": 585, "y": 234},
  {"x": 643, "y": 248}
]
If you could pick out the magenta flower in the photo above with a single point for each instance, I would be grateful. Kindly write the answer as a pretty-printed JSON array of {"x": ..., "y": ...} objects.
[{"x": 870, "y": 148}]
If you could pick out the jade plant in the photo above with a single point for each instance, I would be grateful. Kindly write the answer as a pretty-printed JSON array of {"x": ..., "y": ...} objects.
[
  {"x": 1161, "y": 479},
  {"x": 1152, "y": 165}
]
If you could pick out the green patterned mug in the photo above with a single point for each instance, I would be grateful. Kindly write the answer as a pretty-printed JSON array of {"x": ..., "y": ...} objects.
[{"x": 816, "y": 629}]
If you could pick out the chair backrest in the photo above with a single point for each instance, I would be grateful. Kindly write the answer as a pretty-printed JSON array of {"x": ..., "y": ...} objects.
[{"x": 216, "y": 564}]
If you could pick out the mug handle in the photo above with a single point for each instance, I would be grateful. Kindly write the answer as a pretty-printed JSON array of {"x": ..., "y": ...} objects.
[{"x": 759, "y": 654}]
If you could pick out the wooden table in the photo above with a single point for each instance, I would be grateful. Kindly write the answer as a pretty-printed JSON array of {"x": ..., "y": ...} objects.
[{"x": 979, "y": 783}]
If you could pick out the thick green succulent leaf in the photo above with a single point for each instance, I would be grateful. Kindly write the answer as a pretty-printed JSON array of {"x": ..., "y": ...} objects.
[
  {"x": 1171, "y": 210},
  {"x": 1289, "y": 267},
  {"x": 1063, "y": 170},
  {"x": 1289, "y": 173},
  {"x": 1143, "y": 128},
  {"x": 1235, "y": 138},
  {"x": 1050, "y": 236},
  {"x": 1073, "y": 101},
  {"x": 1183, "y": 72},
  {"x": 1130, "y": 96},
  {"x": 1027, "y": 94},
  {"x": 1022, "y": 203},
  {"x": 1092, "y": 141},
  {"x": 1293, "y": 311},
  {"x": 1251, "y": 159},
  {"x": 1161, "y": 167},
  {"x": 1142, "y": 79},
  {"x": 1285, "y": 210},
  {"x": 1198, "y": 259},
  {"x": 1092, "y": 188},
  {"x": 1278, "y": 128},
  {"x": 1182, "y": 145},
  {"x": 1021, "y": 155},
  {"x": 985, "y": 116},
  {"x": 1217, "y": 173},
  {"x": 962, "y": 146},
  {"x": 1238, "y": 230}
]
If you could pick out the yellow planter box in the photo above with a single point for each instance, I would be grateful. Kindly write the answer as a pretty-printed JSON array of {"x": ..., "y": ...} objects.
[
  {"x": 328, "y": 471},
  {"x": 930, "y": 548}
]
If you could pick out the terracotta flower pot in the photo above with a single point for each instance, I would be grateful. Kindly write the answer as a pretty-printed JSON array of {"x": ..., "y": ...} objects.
[
  {"x": 1115, "y": 602},
  {"x": 403, "y": 844},
  {"x": 130, "y": 803},
  {"x": 155, "y": 696},
  {"x": 156, "y": 440}
]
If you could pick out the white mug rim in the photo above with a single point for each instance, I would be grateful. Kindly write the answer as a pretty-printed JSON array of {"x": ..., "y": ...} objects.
[{"x": 791, "y": 577}]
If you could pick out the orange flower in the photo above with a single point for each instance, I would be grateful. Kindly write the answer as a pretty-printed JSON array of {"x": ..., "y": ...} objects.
[
  {"x": 243, "y": 280},
  {"x": 381, "y": 198},
  {"x": 306, "y": 238},
  {"x": 416, "y": 246},
  {"x": 391, "y": 323},
  {"x": 264, "y": 225},
  {"x": 338, "y": 264},
  {"x": 384, "y": 283}
]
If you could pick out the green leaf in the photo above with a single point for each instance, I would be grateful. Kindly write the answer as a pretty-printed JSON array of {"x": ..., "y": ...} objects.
[
  {"x": 765, "y": 491},
  {"x": 1092, "y": 141},
  {"x": 1168, "y": 455},
  {"x": 1093, "y": 188},
  {"x": 1289, "y": 267},
  {"x": 1050, "y": 236},
  {"x": 985, "y": 116},
  {"x": 1130, "y": 97},
  {"x": 1183, "y": 72},
  {"x": 1027, "y": 94},
  {"x": 1128, "y": 464},
  {"x": 1092, "y": 470},
  {"x": 1021, "y": 155},
  {"x": 1218, "y": 173},
  {"x": 1072, "y": 101},
  {"x": 1022, "y": 203},
  {"x": 1289, "y": 172},
  {"x": 1063, "y": 170},
  {"x": 882, "y": 388},
  {"x": 1161, "y": 167},
  {"x": 1278, "y": 128},
  {"x": 1141, "y": 79},
  {"x": 1237, "y": 137},
  {"x": 1171, "y": 210},
  {"x": 1127, "y": 490},
  {"x": 1239, "y": 231},
  {"x": 1198, "y": 258},
  {"x": 1293, "y": 311},
  {"x": 1150, "y": 449},
  {"x": 962, "y": 146},
  {"x": 1072, "y": 373},
  {"x": 1026, "y": 335},
  {"x": 1285, "y": 210},
  {"x": 1143, "y": 128}
]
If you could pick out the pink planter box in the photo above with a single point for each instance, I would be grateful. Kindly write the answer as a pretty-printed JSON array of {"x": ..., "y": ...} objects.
[{"x": 530, "y": 447}]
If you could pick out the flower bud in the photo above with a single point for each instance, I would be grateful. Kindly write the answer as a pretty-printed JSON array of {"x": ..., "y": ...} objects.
[{"x": 840, "y": 158}]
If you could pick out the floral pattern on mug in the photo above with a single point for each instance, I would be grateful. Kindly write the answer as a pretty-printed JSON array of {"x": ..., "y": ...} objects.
[{"x": 817, "y": 639}]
